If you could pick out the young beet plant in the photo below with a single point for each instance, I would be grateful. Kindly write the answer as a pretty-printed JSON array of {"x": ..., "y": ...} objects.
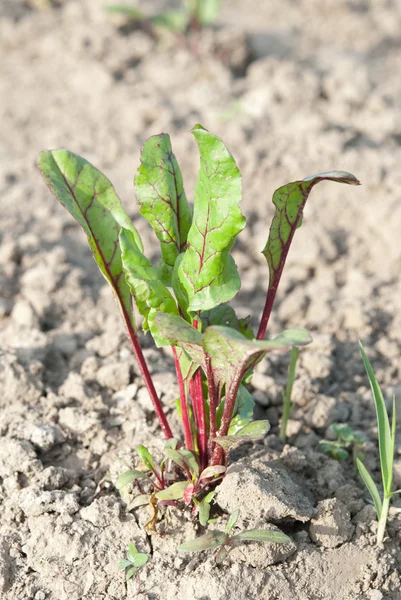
[
  {"x": 184, "y": 300},
  {"x": 386, "y": 452},
  {"x": 224, "y": 541}
]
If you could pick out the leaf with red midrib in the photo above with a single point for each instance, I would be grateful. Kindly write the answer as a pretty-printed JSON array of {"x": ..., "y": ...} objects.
[{"x": 91, "y": 199}]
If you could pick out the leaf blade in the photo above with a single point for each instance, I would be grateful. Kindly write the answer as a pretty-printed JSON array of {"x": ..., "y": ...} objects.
[
  {"x": 384, "y": 432},
  {"x": 92, "y": 201},
  {"x": 150, "y": 294},
  {"x": 207, "y": 273},
  {"x": 160, "y": 192},
  {"x": 258, "y": 535},
  {"x": 371, "y": 486},
  {"x": 212, "y": 539}
]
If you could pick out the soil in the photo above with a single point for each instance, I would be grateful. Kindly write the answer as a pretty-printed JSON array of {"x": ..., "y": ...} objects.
[{"x": 293, "y": 88}]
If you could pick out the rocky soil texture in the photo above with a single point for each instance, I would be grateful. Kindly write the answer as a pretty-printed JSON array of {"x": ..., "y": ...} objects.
[{"x": 293, "y": 88}]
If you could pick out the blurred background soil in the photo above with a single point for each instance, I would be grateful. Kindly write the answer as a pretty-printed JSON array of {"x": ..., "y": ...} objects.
[{"x": 293, "y": 88}]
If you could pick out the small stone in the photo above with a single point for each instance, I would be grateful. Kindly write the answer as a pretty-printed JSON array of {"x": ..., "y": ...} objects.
[
  {"x": 34, "y": 502},
  {"x": 17, "y": 457},
  {"x": 46, "y": 436},
  {"x": 331, "y": 524},
  {"x": 115, "y": 376},
  {"x": 77, "y": 420},
  {"x": 24, "y": 315},
  {"x": 73, "y": 387},
  {"x": 54, "y": 478}
]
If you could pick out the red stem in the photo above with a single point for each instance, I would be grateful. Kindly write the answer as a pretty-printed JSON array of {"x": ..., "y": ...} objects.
[
  {"x": 218, "y": 454},
  {"x": 201, "y": 419},
  {"x": 212, "y": 403},
  {"x": 270, "y": 297},
  {"x": 183, "y": 402},
  {"x": 136, "y": 346}
]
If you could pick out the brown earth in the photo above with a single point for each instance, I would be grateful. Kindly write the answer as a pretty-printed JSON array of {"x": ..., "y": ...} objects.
[{"x": 293, "y": 88}]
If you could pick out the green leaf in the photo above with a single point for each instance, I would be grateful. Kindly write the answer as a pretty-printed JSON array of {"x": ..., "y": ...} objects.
[
  {"x": 126, "y": 478},
  {"x": 290, "y": 201},
  {"x": 174, "y": 20},
  {"x": 257, "y": 535},
  {"x": 147, "y": 458},
  {"x": 130, "y": 573},
  {"x": 150, "y": 294},
  {"x": 207, "y": 273},
  {"x": 243, "y": 411},
  {"x": 184, "y": 459},
  {"x": 139, "y": 500},
  {"x": 225, "y": 315},
  {"x": 131, "y": 12},
  {"x": 140, "y": 559},
  {"x": 132, "y": 552},
  {"x": 174, "y": 492},
  {"x": 252, "y": 432},
  {"x": 212, "y": 471},
  {"x": 371, "y": 486},
  {"x": 232, "y": 521},
  {"x": 212, "y": 539},
  {"x": 204, "y": 513},
  {"x": 208, "y": 11},
  {"x": 386, "y": 449},
  {"x": 160, "y": 193},
  {"x": 179, "y": 332},
  {"x": 91, "y": 199},
  {"x": 232, "y": 354},
  {"x": 124, "y": 564}
]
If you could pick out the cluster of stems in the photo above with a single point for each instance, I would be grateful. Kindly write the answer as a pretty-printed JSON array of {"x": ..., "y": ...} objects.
[{"x": 209, "y": 452}]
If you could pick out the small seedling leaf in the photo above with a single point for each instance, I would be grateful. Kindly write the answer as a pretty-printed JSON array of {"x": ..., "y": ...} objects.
[
  {"x": 256, "y": 535},
  {"x": 171, "y": 443},
  {"x": 140, "y": 500},
  {"x": 191, "y": 461},
  {"x": 132, "y": 552},
  {"x": 207, "y": 272},
  {"x": 91, "y": 199},
  {"x": 212, "y": 539},
  {"x": 212, "y": 471},
  {"x": 174, "y": 492},
  {"x": 124, "y": 564},
  {"x": 140, "y": 559},
  {"x": 386, "y": 449},
  {"x": 232, "y": 354},
  {"x": 151, "y": 296},
  {"x": 147, "y": 458},
  {"x": 130, "y": 573},
  {"x": 126, "y": 478},
  {"x": 371, "y": 486},
  {"x": 160, "y": 192},
  {"x": 204, "y": 513},
  {"x": 252, "y": 432},
  {"x": 232, "y": 521}
]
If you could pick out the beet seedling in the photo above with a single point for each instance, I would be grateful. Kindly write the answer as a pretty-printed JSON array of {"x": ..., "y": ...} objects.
[
  {"x": 347, "y": 442},
  {"x": 224, "y": 541},
  {"x": 134, "y": 561},
  {"x": 191, "y": 16},
  {"x": 184, "y": 299},
  {"x": 386, "y": 452}
]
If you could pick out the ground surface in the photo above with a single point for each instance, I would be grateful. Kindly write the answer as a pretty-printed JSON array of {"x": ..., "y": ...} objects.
[{"x": 312, "y": 86}]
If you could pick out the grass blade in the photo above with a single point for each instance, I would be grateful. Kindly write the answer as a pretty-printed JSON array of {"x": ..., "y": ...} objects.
[
  {"x": 386, "y": 448},
  {"x": 371, "y": 486}
]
